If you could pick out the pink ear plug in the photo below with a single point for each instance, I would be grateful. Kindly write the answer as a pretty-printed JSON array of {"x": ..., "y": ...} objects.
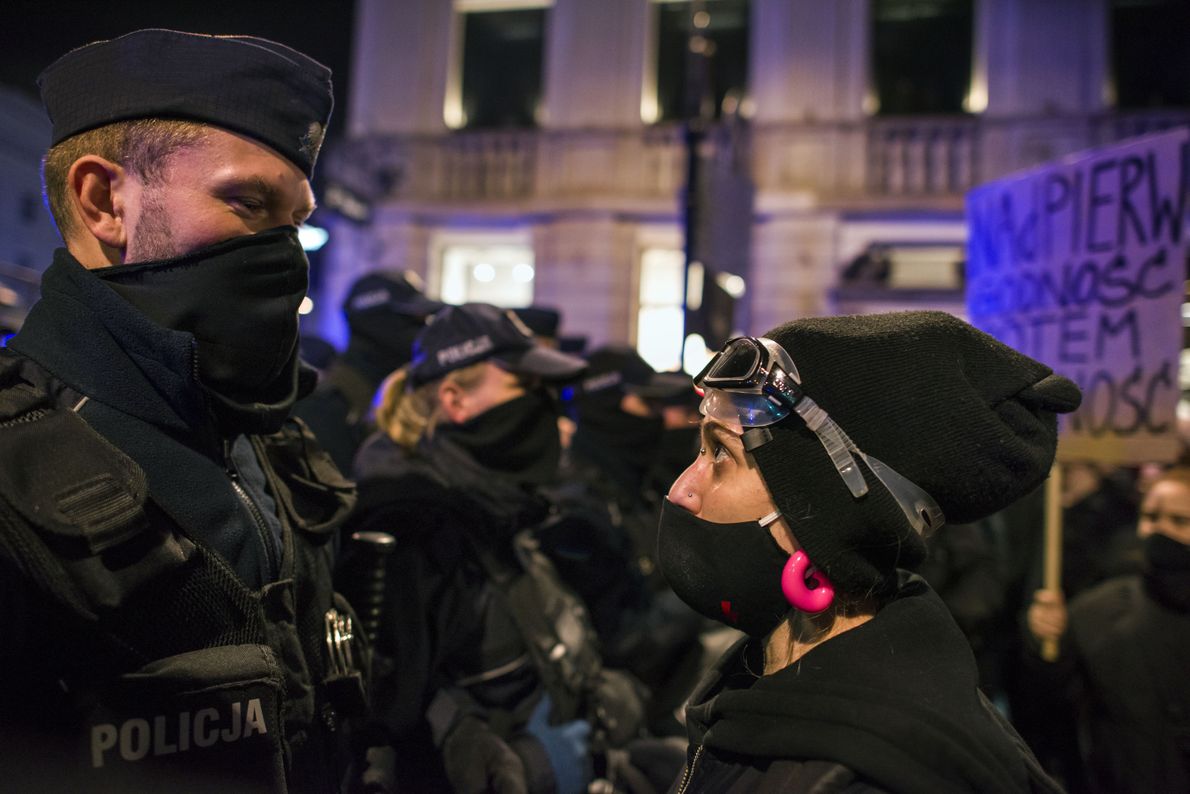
[{"x": 798, "y": 593}]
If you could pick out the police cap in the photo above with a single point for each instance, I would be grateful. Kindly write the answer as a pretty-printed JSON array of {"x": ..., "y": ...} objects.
[{"x": 252, "y": 86}]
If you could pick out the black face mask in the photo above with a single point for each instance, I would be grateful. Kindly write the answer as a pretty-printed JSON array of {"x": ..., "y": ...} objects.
[
  {"x": 239, "y": 298},
  {"x": 1167, "y": 571},
  {"x": 728, "y": 572},
  {"x": 519, "y": 438},
  {"x": 631, "y": 439}
]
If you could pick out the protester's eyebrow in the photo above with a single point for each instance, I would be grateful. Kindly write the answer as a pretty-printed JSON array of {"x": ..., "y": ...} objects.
[{"x": 719, "y": 432}]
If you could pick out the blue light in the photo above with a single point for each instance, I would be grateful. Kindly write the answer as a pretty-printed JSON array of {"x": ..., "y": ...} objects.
[{"x": 312, "y": 237}]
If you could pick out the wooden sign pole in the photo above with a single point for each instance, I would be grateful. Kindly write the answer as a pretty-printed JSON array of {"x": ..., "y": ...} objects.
[{"x": 1053, "y": 546}]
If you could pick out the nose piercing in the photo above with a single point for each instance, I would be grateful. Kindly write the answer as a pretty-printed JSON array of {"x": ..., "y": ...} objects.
[{"x": 690, "y": 494}]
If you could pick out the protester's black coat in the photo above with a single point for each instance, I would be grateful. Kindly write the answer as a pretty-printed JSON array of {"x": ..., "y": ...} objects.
[
  {"x": 891, "y": 705},
  {"x": 1132, "y": 656},
  {"x": 99, "y": 394}
]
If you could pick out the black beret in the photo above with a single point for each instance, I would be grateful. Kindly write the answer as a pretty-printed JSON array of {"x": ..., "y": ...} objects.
[
  {"x": 252, "y": 86},
  {"x": 964, "y": 417}
]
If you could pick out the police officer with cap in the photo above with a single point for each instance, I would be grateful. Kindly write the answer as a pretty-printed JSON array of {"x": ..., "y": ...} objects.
[
  {"x": 385, "y": 310},
  {"x": 165, "y": 529}
]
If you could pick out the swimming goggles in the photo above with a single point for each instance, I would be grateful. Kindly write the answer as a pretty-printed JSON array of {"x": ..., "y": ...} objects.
[{"x": 753, "y": 383}]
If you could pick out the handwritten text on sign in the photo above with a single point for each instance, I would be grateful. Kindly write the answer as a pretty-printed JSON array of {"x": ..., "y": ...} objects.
[{"x": 1081, "y": 265}]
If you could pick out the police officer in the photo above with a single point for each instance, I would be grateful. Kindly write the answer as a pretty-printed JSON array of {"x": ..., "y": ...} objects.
[
  {"x": 165, "y": 530},
  {"x": 384, "y": 309}
]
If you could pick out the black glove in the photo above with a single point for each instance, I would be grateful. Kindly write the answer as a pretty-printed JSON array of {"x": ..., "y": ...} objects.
[{"x": 479, "y": 761}]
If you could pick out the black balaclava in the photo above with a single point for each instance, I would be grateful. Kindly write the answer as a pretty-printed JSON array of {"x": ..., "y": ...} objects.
[
  {"x": 381, "y": 343},
  {"x": 1167, "y": 571},
  {"x": 518, "y": 438},
  {"x": 239, "y": 299},
  {"x": 961, "y": 415},
  {"x": 623, "y": 443}
]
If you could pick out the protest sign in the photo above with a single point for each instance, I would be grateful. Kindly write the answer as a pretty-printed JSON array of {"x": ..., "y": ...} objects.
[{"x": 1081, "y": 264}]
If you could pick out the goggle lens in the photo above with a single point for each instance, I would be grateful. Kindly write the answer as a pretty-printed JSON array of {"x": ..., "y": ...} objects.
[
  {"x": 739, "y": 410},
  {"x": 735, "y": 365}
]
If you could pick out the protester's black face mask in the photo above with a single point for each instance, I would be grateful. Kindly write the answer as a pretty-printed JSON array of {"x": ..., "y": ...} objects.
[
  {"x": 519, "y": 437},
  {"x": 239, "y": 298},
  {"x": 1167, "y": 570},
  {"x": 728, "y": 572}
]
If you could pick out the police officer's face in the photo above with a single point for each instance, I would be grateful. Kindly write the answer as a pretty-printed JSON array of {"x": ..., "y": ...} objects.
[
  {"x": 724, "y": 485},
  {"x": 224, "y": 186},
  {"x": 495, "y": 387}
]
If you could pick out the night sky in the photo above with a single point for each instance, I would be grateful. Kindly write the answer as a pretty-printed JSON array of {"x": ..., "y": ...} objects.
[{"x": 33, "y": 33}]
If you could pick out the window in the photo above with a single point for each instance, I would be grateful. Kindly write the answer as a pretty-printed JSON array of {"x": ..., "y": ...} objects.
[
  {"x": 921, "y": 60},
  {"x": 498, "y": 274},
  {"x": 660, "y": 320},
  {"x": 726, "y": 27},
  {"x": 502, "y": 65},
  {"x": 1150, "y": 59}
]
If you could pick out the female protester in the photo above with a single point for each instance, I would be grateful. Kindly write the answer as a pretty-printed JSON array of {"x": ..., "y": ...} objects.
[
  {"x": 1125, "y": 651},
  {"x": 494, "y": 674},
  {"x": 830, "y": 447}
]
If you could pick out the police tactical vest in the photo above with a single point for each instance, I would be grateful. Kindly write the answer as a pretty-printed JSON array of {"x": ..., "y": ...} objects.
[{"x": 134, "y": 657}]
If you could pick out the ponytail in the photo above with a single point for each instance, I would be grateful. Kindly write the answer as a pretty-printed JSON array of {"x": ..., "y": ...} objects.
[{"x": 406, "y": 415}]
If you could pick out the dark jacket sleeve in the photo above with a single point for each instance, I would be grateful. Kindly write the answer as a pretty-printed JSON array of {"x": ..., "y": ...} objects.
[{"x": 430, "y": 613}]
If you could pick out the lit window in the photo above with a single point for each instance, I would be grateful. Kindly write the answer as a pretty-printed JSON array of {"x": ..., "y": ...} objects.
[
  {"x": 502, "y": 275},
  {"x": 660, "y": 319}
]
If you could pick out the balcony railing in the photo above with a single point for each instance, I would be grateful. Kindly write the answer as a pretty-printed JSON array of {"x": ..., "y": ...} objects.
[{"x": 908, "y": 158}]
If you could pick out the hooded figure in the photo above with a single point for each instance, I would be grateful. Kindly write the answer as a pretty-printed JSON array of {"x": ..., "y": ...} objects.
[{"x": 831, "y": 447}]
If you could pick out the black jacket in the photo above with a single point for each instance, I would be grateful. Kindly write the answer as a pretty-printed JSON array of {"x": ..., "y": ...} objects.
[
  {"x": 891, "y": 705},
  {"x": 447, "y": 636},
  {"x": 167, "y": 590},
  {"x": 1124, "y": 666}
]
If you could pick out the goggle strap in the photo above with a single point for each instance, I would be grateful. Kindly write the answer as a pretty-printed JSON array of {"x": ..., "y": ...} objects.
[
  {"x": 755, "y": 438},
  {"x": 919, "y": 507},
  {"x": 838, "y": 447}
]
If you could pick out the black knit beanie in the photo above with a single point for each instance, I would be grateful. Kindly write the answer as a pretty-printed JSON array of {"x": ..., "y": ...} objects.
[{"x": 966, "y": 418}]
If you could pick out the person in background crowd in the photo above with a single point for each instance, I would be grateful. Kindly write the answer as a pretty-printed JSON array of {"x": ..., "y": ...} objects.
[
  {"x": 317, "y": 352},
  {"x": 543, "y": 322},
  {"x": 830, "y": 447},
  {"x": 1124, "y": 652},
  {"x": 609, "y": 561},
  {"x": 964, "y": 568},
  {"x": 385, "y": 310},
  {"x": 166, "y": 531},
  {"x": 1098, "y": 542},
  {"x": 618, "y": 407},
  {"x": 497, "y": 683}
]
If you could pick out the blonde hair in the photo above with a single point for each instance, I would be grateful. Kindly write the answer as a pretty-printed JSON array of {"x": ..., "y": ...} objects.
[
  {"x": 407, "y": 415},
  {"x": 142, "y": 146}
]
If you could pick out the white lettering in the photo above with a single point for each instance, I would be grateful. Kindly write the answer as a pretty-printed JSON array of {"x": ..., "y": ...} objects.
[
  {"x": 254, "y": 722},
  {"x": 465, "y": 350},
  {"x": 184, "y": 731},
  {"x": 134, "y": 740},
  {"x": 160, "y": 745},
  {"x": 103, "y": 738},
  {"x": 233, "y": 731},
  {"x": 201, "y": 738}
]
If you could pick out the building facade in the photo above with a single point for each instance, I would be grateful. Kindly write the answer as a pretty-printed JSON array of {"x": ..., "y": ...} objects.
[
  {"x": 854, "y": 180},
  {"x": 27, "y": 233}
]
